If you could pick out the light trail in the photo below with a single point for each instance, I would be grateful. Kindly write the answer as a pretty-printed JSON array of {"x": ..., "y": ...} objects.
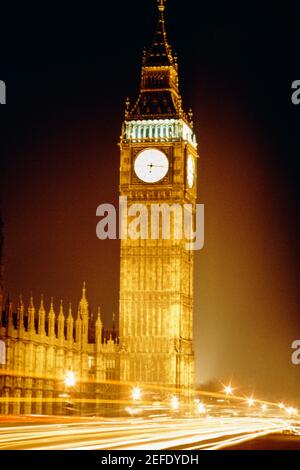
[{"x": 140, "y": 434}]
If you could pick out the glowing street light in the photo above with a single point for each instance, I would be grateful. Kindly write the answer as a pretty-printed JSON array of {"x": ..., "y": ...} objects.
[
  {"x": 281, "y": 406},
  {"x": 70, "y": 380},
  {"x": 264, "y": 407},
  {"x": 250, "y": 402},
  {"x": 175, "y": 403},
  {"x": 291, "y": 411},
  {"x": 228, "y": 390},
  {"x": 136, "y": 394},
  {"x": 201, "y": 408}
]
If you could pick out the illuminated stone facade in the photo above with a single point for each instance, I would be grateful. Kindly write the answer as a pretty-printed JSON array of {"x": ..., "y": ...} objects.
[
  {"x": 153, "y": 344},
  {"x": 41, "y": 348}
]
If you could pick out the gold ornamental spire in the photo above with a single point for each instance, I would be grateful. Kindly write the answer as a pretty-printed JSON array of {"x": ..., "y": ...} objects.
[
  {"x": 31, "y": 315},
  {"x": 84, "y": 290},
  {"x": 99, "y": 314},
  {"x": 99, "y": 327},
  {"x": 51, "y": 320},
  {"x": 21, "y": 310},
  {"x": 60, "y": 322},
  {"x": 161, "y": 5},
  {"x": 61, "y": 308},
  {"x": 70, "y": 316},
  {"x": 83, "y": 304},
  {"x": 159, "y": 96},
  {"x": 41, "y": 318},
  {"x": 70, "y": 323}
]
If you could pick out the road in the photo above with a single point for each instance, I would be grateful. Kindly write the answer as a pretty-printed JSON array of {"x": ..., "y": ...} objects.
[{"x": 156, "y": 433}]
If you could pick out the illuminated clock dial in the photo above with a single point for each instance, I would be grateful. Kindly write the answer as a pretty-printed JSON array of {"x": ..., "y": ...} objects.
[
  {"x": 190, "y": 171},
  {"x": 151, "y": 166}
]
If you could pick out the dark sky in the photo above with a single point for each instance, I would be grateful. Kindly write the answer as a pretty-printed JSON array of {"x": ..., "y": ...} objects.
[{"x": 68, "y": 72}]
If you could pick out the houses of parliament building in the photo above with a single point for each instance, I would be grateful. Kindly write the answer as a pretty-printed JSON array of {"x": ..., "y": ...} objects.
[{"x": 152, "y": 344}]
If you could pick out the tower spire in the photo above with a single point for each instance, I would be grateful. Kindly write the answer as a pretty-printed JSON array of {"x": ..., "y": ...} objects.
[
  {"x": 160, "y": 52},
  {"x": 161, "y": 5},
  {"x": 84, "y": 290},
  {"x": 159, "y": 96},
  {"x": 41, "y": 321},
  {"x": 61, "y": 322},
  {"x": 70, "y": 323},
  {"x": 99, "y": 328},
  {"x": 31, "y": 315},
  {"x": 20, "y": 321},
  {"x": 51, "y": 322},
  {"x": 83, "y": 304}
]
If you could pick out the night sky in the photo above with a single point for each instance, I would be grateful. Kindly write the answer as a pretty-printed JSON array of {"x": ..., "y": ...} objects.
[{"x": 68, "y": 73}]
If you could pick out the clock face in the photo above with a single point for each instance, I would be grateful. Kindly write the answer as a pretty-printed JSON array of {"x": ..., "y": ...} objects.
[
  {"x": 151, "y": 166},
  {"x": 190, "y": 171}
]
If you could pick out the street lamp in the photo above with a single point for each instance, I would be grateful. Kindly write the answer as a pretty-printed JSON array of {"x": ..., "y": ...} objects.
[
  {"x": 264, "y": 407},
  {"x": 250, "y": 402},
  {"x": 70, "y": 380},
  {"x": 136, "y": 394},
  {"x": 291, "y": 411},
  {"x": 228, "y": 390},
  {"x": 201, "y": 408}
]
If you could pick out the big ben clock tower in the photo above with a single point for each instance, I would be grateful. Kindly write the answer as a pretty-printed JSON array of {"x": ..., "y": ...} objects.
[{"x": 158, "y": 166}]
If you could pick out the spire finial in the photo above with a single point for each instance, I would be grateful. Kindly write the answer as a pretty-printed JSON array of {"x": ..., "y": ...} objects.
[
  {"x": 70, "y": 310},
  {"x": 161, "y": 5},
  {"x": 21, "y": 304},
  {"x": 84, "y": 290}
]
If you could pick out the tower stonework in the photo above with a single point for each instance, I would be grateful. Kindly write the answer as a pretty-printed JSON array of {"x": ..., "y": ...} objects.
[{"x": 158, "y": 166}]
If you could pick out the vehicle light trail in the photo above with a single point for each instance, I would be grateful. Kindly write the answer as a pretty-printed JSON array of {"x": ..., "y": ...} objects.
[{"x": 140, "y": 434}]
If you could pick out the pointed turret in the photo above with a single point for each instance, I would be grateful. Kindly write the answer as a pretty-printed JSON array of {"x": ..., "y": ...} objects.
[
  {"x": 61, "y": 323},
  {"x": 51, "y": 321},
  {"x": 78, "y": 327},
  {"x": 10, "y": 323},
  {"x": 70, "y": 323},
  {"x": 21, "y": 310},
  {"x": 83, "y": 311},
  {"x": 42, "y": 318},
  {"x": 31, "y": 316},
  {"x": 83, "y": 304},
  {"x": 159, "y": 96},
  {"x": 160, "y": 51},
  {"x": 99, "y": 327}
]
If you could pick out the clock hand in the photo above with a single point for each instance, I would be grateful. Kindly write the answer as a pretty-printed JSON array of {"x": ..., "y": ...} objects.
[{"x": 156, "y": 166}]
